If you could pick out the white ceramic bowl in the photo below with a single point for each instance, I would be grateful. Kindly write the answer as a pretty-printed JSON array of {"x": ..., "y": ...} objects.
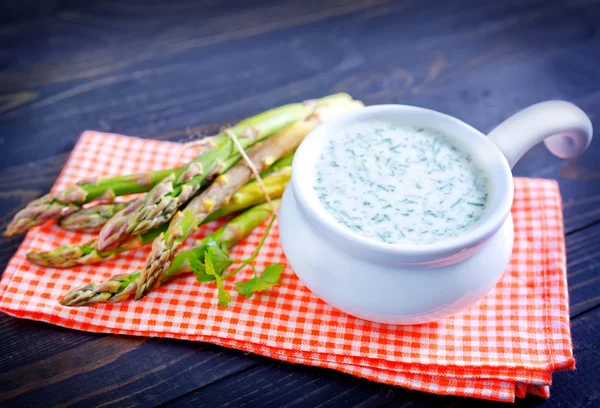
[{"x": 412, "y": 284}]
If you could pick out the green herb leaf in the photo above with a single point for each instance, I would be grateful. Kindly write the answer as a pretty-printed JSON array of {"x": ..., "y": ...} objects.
[
  {"x": 218, "y": 257},
  {"x": 200, "y": 271},
  {"x": 223, "y": 296},
  {"x": 266, "y": 280},
  {"x": 208, "y": 266}
]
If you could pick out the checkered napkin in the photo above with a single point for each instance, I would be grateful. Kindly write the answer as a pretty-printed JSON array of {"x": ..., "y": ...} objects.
[{"x": 507, "y": 345}]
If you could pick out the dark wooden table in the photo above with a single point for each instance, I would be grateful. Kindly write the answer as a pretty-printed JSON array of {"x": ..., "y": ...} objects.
[{"x": 158, "y": 69}]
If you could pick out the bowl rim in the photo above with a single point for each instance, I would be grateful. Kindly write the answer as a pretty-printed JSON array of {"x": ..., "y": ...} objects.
[{"x": 490, "y": 158}]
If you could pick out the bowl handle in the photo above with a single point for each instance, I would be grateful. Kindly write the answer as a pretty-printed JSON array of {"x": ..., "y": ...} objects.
[{"x": 565, "y": 129}]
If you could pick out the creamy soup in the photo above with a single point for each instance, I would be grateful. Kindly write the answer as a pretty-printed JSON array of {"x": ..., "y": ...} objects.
[{"x": 400, "y": 184}]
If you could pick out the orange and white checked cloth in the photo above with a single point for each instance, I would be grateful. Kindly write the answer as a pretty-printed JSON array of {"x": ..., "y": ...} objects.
[{"x": 507, "y": 345}]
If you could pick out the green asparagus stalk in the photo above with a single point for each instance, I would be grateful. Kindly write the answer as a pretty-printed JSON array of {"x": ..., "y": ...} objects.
[
  {"x": 252, "y": 193},
  {"x": 162, "y": 202},
  {"x": 249, "y": 195},
  {"x": 91, "y": 219},
  {"x": 263, "y": 155},
  {"x": 68, "y": 256},
  {"x": 62, "y": 203},
  {"x": 120, "y": 287}
]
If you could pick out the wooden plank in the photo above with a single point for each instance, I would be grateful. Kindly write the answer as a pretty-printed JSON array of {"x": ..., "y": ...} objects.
[
  {"x": 119, "y": 371},
  {"x": 319, "y": 61},
  {"x": 25, "y": 342},
  {"x": 583, "y": 267},
  {"x": 277, "y": 384},
  {"x": 101, "y": 83},
  {"x": 147, "y": 69}
]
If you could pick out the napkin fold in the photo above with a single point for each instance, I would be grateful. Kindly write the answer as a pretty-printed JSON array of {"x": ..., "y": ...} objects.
[{"x": 504, "y": 347}]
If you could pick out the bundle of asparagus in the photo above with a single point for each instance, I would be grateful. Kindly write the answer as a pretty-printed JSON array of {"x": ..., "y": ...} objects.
[
  {"x": 121, "y": 287},
  {"x": 93, "y": 218},
  {"x": 215, "y": 184},
  {"x": 71, "y": 255}
]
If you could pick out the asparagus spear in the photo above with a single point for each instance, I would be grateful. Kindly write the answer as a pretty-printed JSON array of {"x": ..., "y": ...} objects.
[
  {"x": 160, "y": 204},
  {"x": 62, "y": 203},
  {"x": 252, "y": 193},
  {"x": 68, "y": 256},
  {"x": 184, "y": 222},
  {"x": 37, "y": 212},
  {"x": 91, "y": 219},
  {"x": 249, "y": 195},
  {"x": 120, "y": 287}
]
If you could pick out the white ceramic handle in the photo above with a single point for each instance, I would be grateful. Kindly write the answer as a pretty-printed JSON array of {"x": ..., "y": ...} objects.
[{"x": 565, "y": 129}]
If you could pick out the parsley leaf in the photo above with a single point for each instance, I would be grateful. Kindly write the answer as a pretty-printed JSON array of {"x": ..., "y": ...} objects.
[
  {"x": 219, "y": 258},
  {"x": 266, "y": 280},
  {"x": 199, "y": 270},
  {"x": 223, "y": 295}
]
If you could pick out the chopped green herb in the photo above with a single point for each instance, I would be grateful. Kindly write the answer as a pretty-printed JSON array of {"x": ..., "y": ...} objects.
[{"x": 456, "y": 203}]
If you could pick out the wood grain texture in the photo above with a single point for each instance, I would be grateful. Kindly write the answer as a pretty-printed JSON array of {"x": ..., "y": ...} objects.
[{"x": 168, "y": 70}]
